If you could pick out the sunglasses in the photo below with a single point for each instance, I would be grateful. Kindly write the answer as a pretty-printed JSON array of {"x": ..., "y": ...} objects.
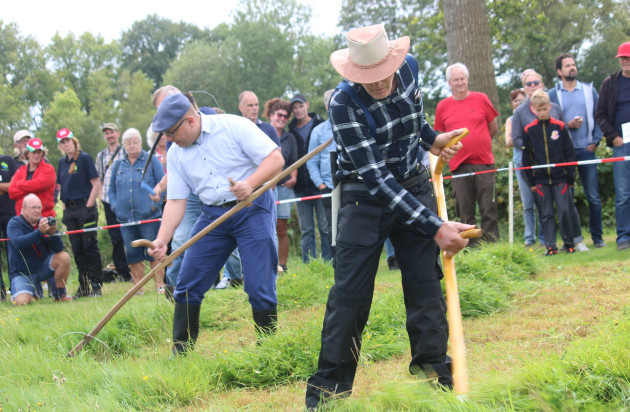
[
  {"x": 532, "y": 83},
  {"x": 286, "y": 116}
]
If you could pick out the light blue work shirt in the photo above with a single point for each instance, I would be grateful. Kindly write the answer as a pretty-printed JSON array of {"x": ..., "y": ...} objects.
[
  {"x": 229, "y": 146},
  {"x": 319, "y": 165}
]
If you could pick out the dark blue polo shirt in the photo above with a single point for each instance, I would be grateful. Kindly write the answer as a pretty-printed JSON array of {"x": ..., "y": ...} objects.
[
  {"x": 76, "y": 186},
  {"x": 8, "y": 167}
]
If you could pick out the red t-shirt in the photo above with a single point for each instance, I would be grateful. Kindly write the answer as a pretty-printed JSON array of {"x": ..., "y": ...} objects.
[{"x": 473, "y": 113}]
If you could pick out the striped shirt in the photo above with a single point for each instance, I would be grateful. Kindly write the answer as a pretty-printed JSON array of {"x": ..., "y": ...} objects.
[
  {"x": 392, "y": 155},
  {"x": 103, "y": 167}
]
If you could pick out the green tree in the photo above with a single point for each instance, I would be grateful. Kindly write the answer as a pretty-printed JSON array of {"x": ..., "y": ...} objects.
[
  {"x": 135, "y": 92},
  {"x": 150, "y": 45},
  {"x": 65, "y": 111},
  {"x": 73, "y": 60}
]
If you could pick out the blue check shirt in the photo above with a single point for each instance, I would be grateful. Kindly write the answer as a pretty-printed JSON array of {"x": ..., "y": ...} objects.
[{"x": 392, "y": 155}]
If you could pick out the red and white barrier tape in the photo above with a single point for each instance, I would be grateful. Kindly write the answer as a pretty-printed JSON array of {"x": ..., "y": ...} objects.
[
  {"x": 580, "y": 163},
  {"x": 326, "y": 195},
  {"x": 93, "y": 229}
]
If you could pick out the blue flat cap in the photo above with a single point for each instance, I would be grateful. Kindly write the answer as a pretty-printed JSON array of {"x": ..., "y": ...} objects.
[{"x": 171, "y": 111}]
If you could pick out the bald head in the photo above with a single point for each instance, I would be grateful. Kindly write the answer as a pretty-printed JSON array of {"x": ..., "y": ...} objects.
[
  {"x": 248, "y": 105},
  {"x": 31, "y": 200},
  {"x": 162, "y": 92}
]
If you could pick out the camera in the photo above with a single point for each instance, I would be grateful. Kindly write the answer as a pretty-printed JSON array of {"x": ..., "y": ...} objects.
[{"x": 52, "y": 221}]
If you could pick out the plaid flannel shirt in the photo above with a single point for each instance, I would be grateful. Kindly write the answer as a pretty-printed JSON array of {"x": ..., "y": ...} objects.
[
  {"x": 392, "y": 155},
  {"x": 104, "y": 172}
]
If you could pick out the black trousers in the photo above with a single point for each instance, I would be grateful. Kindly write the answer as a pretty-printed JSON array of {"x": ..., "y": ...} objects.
[
  {"x": 87, "y": 255},
  {"x": 118, "y": 252},
  {"x": 363, "y": 225},
  {"x": 560, "y": 194}
]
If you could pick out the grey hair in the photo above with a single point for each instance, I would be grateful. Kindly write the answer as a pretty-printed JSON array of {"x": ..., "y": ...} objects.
[
  {"x": 450, "y": 68},
  {"x": 151, "y": 135},
  {"x": 131, "y": 133},
  {"x": 327, "y": 95},
  {"x": 163, "y": 92}
]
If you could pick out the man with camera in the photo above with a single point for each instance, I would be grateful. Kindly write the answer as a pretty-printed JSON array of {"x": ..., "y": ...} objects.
[{"x": 34, "y": 257}]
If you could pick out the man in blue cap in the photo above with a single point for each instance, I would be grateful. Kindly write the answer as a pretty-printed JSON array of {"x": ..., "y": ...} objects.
[{"x": 208, "y": 150}]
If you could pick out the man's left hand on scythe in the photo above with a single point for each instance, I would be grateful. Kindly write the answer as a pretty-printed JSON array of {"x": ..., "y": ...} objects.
[
  {"x": 441, "y": 140},
  {"x": 448, "y": 237}
]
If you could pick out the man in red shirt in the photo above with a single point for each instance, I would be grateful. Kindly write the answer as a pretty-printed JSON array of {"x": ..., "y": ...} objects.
[{"x": 474, "y": 111}]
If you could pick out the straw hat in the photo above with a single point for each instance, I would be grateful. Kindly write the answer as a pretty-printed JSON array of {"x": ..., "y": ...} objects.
[{"x": 370, "y": 55}]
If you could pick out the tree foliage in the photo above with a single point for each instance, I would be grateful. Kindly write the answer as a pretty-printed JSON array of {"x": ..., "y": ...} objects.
[{"x": 151, "y": 45}]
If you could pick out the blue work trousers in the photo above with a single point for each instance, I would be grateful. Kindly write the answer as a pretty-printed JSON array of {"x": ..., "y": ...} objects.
[{"x": 252, "y": 230}]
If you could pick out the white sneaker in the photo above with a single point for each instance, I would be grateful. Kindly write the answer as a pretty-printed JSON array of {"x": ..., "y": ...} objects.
[
  {"x": 581, "y": 247},
  {"x": 225, "y": 281}
]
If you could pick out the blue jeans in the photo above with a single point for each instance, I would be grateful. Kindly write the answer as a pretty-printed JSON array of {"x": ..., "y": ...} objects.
[
  {"x": 588, "y": 176},
  {"x": 529, "y": 203},
  {"x": 181, "y": 236},
  {"x": 389, "y": 248},
  {"x": 621, "y": 172},
  {"x": 307, "y": 227}
]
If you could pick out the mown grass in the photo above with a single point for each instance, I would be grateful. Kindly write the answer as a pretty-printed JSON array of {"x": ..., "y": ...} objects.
[{"x": 128, "y": 368}]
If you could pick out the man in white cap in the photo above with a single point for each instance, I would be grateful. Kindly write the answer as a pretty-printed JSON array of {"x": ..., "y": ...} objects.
[
  {"x": 385, "y": 193},
  {"x": 20, "y": 139},
  {"x": 613, "y": 116}
]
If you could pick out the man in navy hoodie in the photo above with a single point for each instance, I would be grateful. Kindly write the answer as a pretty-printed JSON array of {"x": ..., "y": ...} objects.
[{"x": 34, "y": 257}]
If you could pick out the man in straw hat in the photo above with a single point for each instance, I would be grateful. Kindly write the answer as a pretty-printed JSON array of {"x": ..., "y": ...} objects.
[{"x": 384, "y": 193}]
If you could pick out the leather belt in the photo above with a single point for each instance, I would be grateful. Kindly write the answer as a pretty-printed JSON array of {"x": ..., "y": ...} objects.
[
  {"x": 358, "y": 186},
  {"x": 229, "y": 204},
  {"x": 76, "y": 202}
]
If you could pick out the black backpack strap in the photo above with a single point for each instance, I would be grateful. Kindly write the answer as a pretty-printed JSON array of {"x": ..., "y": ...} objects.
[{"x": 346, "y": 88}]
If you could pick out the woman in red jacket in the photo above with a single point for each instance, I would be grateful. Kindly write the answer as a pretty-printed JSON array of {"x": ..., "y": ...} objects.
[{"x": 36, "y": 177}]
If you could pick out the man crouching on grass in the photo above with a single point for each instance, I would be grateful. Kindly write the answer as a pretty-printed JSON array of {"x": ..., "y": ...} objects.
[{"x": 34, "y": 258}]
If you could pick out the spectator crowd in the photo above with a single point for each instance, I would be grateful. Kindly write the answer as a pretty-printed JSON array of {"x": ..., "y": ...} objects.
[{"x": 584, "y": 117}]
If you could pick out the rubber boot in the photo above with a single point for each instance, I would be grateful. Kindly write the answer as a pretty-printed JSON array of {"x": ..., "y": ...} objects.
[
  {"x": 185, "y": 327},
  {"x": 265, "y": 321},
  {"x": 168, "y": 293},
  {"x": 96, "y": 289},
  {"x": 84, "y": 287}
]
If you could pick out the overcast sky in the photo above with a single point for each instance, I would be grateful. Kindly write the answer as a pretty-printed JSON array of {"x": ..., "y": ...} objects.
[{"x": 43, "y": 18}]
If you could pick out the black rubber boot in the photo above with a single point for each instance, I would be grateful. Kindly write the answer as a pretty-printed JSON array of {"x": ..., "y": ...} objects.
[
  {"x": 168, "y": 293},
  {"x": 84, "y": 287},
  {"x": 185, "y": 327},
  {"x": 96, "y": 289},
  {"x": 265, "y": 321}
]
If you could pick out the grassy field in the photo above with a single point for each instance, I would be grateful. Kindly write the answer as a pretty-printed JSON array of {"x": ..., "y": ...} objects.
[{"x": 542, "y": 333}]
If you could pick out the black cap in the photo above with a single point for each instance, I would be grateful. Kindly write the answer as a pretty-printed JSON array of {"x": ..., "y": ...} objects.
[{"x": 298, "y": 98}]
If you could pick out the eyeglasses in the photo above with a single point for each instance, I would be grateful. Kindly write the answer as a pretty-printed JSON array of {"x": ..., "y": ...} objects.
[
  {"x": 286, "y": 116},
  {"x": 624, "y": 57},
  {"x": 532, "y": 83},
  {"x": 33, "y": 207},
  {"x": 172, "y": 134}
]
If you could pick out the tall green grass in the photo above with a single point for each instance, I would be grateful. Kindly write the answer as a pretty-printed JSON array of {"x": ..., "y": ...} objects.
[
  {"x": 128, "y": 367},
  {"x": 593, "y": 374}
]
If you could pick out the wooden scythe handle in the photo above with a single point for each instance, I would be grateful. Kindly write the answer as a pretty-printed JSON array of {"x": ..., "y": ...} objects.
[
  {"x": 455, "y": 324},
  {"x": 146, "y": 243},
  {"x": 131, "y": 292},
  {"x": 466, "y": 234}
]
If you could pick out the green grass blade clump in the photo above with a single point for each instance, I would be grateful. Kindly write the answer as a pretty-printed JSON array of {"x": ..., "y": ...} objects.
[{"x": 489, "y": 276}]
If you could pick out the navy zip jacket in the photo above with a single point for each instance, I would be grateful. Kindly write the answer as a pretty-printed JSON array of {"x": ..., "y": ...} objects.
[
  {"x": 548, "y": 142},
  {"x": 28, "y": 247}
]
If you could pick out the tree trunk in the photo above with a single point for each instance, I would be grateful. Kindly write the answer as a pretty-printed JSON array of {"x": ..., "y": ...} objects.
[{"x": 468, "y": 42}]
